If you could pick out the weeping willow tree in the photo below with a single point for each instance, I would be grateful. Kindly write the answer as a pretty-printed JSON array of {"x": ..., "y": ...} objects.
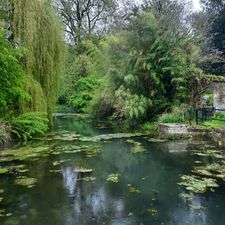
[{"x": 36, "y": 26}]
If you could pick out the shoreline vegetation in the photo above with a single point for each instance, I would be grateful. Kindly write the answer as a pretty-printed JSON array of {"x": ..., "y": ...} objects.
[{"x": 135, "y": 67}]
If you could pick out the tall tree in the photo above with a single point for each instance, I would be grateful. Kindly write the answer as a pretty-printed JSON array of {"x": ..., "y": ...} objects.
[
  {"x": 85, "y": 17},
  {"x": 208, "y": 27},
  {"x": 36, "y": 26}
]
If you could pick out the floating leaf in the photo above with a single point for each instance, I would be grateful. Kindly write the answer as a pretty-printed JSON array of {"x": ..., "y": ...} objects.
[
  {"x": 153, "y": 212},
  {"x": 197, "y": 184},
  {"x": 187, "y": 197},
  {"x": 82, "y": 170},
  {"x": 132, "y": 189},
  {"x": 87, "y": 179},
  {"x": 3, "y": 170},
  {"x": 114, "y": 178},
  {"x": 26, "y": 181},
  {"x": 137, "y": 148}
]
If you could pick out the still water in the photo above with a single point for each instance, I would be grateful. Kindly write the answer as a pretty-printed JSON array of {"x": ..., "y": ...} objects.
[{"x": 63, "y": 199}]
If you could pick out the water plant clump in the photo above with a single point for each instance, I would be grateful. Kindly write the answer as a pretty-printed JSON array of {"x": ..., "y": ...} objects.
[
  {"x": 24, "y": 153},
  {"x": 69, "y": 149},
  {"x": 1, "y": 192},
  {"x": 210, "y": 153},
  {"x": 197, "y": 184},
  {"x": 214, "y": 170},
  {"x": 56, "y": 163},
  {"x": 87, "y": 179},
  {"x": 92, "y": 152},
  {"x": 26, "y": 181},
  {"x": 83, "y": 170},
  {"x": 133, "y": 189},
  {"x": 114, "y": 178},
  {"x": 187, "y": 196},
  {"x": 137, "y": 148},
  {"x": 153, "y": 212},
  {"x": 3, "y": 170}
]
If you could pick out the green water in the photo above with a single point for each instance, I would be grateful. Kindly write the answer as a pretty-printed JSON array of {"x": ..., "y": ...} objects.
[{"x": 61, "y": 199}]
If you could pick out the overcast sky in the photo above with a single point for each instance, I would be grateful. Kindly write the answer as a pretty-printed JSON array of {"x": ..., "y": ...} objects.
[{"x": 196, "y": 4}]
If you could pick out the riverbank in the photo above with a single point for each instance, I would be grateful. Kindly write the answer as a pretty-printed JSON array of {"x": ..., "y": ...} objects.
[{"x": 134, "y": 179}]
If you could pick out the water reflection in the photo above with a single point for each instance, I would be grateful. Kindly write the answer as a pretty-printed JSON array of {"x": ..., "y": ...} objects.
[
  {"x": 60, "y": 199},
  {"x": 70, "y": 179}
]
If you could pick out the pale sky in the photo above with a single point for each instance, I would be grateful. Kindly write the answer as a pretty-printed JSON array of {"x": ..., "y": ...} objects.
[{"x": 196, "y": 4}]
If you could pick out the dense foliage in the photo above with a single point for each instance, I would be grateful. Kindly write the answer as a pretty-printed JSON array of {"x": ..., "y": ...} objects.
[
  {"x": 31, "y": 62},
  {"x": 151, "y": 68},
  {"x": 28, "y": 125},
  {"x": 126, "y": 61},
  {"x": 11, "y": 76},
  {"x": 84, "y": 91}
]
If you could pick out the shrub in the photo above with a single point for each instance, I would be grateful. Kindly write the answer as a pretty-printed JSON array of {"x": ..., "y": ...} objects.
[
  {"x": 150, "y": 128},
  {"x": 217, "y": 122},
  {"x": 177, "y": 115},
  {"x": 28, "y": 125},
  {"x": 84, "y": 91}
]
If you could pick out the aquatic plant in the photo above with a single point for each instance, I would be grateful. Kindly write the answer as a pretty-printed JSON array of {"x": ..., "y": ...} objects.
[
  {"x": 87, "y": 179},
  {"x": 153, "y": 212},
  {"x": 1, "y": 192},
  {"x": 137, "y": 148},
  {"x": 187, "y": 197},
  {"x": 132, "y": 189},
  {"x": 56, "y": 163},
  {"x": 92, "y": 152},
  {"x": 26, "y": 181},
  {"x": 3, "y": 170},
  {"x": 83, "y": 170},
  {"x": 197, "y": 184},
  {"x": 214, "y": 170},
  {"x": 114, "y": 178},
  {"x": 24, "y": 153}
]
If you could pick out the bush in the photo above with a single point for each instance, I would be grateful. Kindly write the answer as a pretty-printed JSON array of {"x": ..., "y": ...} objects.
[
  {"x": 28, "y": 125},
  {"x": 84, "y": 91},
  {"x": 177, "y": 115},
  {"x": 217, "y": 122},
  {"x": 150, "y": 128}
]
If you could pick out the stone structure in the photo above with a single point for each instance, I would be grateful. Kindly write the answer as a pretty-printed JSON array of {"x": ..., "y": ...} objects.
[
  {"x": 218, "y": 95},
  {"x": 171, "y": 128}
]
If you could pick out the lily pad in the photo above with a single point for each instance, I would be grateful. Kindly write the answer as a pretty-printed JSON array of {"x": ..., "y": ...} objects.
[
  {"x": 56, "y": 163},
  {"x": 92, "y": 152},
  {"x": 82, "y": 170},
  {"x": 24, "y": 153},
  {"x": 196, "y": 207},
  {"x": 3, "y": 170},
  {"x": 215, "y": 170},
  {"x": 130, "y": 214},
  {"x": 137, "y": 148},
  {"x": 153, "y": 140},
  {"x": 26, "y": 181},
  {"x": 187, "y": 197},
  {"x": 114, "y": 178},
  {"x": 87, "y": 179},
  {"x": 197, "y": 184},
  {"x": 210, "y": 153},
  {"x": 153, "y": 212},
  {"x": 132, "y": 189}
]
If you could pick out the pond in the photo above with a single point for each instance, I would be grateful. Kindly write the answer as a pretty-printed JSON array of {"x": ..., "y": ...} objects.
[{"x": 74, "y": 178}]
